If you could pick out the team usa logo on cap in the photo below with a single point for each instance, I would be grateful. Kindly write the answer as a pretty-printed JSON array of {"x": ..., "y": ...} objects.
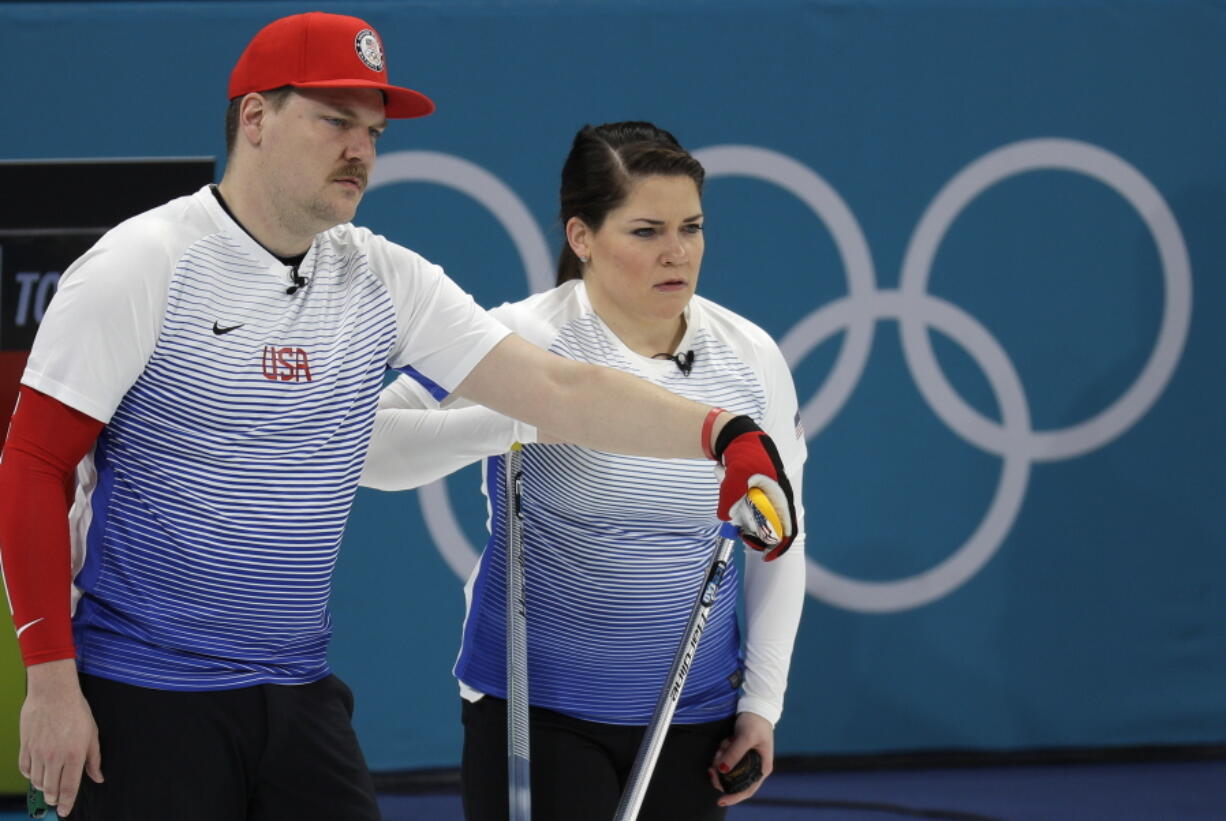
[{"x": 370, "y": 51}]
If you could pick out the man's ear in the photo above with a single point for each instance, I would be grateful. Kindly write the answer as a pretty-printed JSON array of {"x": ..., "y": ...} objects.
[{"x": 252, "y": 111}]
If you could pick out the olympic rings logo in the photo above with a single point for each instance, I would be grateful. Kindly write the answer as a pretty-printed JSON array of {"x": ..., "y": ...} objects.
[{"x": 1013, "y": 438}]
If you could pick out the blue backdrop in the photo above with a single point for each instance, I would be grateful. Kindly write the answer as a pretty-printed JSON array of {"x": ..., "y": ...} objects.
[{"x": 989, "y": 237}]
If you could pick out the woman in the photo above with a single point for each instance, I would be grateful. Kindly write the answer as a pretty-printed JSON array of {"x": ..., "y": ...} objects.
[{"x": 616, "y": 545}]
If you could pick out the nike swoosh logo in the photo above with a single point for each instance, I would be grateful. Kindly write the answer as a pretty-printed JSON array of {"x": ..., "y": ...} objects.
[
  {"x": 26, "y": 627},
  {"x": 217, "y": 329}
]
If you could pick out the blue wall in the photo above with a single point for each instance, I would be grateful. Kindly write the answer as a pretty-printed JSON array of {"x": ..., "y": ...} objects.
[{"x": 1015, "y": 516}]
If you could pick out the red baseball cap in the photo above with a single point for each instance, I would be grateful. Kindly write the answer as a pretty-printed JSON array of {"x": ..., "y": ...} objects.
[{"x": 318, "y": 50}]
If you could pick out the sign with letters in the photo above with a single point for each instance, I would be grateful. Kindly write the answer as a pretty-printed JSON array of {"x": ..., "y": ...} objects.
[{"x": 40, "y": 237}]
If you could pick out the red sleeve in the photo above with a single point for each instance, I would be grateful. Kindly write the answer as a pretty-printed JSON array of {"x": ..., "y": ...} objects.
[{"x": 46, "y": 440}]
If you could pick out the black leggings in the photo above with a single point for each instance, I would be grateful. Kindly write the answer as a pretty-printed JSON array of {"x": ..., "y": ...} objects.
[
  {"x": 263, "y": 753},
  {"x": 579, "y": 768}
]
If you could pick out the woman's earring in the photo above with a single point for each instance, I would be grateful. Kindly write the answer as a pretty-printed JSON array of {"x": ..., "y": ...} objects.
[{"x": 583, "y": 260}]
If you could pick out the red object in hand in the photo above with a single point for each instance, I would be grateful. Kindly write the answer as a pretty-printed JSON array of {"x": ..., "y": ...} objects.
[{"x": 750, "y": 459}]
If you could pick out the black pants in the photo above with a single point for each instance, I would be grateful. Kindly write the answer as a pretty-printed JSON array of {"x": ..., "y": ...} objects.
[
  {"x": 579, "y": 768},
  {"x": 260, "y": 753}
]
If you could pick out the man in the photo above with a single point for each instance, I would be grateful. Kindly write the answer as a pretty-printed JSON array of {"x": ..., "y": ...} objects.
[{"x": 213, "y": 367}]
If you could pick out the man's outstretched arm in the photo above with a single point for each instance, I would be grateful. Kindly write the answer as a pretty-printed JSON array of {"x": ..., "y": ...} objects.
[
  {"x": 606, "y": 409},
  {"x": 588, "y": 405}
]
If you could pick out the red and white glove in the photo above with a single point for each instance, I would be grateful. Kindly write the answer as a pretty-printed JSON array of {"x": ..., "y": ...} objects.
[{"x": 749, "y": 458}]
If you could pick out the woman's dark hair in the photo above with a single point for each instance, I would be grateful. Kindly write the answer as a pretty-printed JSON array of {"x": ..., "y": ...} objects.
[{"x": 603, "y": 163}]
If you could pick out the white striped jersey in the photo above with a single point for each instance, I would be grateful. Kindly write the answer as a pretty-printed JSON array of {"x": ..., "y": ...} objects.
[
  {"x": 616, "y": 547},
  {"x": 209, "y": 514}
]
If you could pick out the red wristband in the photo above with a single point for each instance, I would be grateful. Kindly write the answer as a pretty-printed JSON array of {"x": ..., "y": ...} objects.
[{"x": 707, "y": 424}]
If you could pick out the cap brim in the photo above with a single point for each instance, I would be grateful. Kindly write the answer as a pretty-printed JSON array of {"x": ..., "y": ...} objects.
[{"x": 401, "y": 103}]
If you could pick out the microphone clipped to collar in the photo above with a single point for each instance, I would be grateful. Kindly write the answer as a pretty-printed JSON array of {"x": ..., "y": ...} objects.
[
  {"x": 298, "y": 280},
  {"x": 685, "y": 360}
]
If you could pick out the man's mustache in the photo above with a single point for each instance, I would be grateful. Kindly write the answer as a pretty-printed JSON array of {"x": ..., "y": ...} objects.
[{"x": 357, "y": 172}]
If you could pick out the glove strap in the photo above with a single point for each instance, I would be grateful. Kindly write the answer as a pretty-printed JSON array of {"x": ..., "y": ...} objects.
[
  {"x": 707, "y": 424},
  {"x": 735, "y": 427}
]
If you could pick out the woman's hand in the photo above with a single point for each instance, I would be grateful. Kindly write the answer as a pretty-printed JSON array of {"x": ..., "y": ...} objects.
[{"x": 752, "y": 732}]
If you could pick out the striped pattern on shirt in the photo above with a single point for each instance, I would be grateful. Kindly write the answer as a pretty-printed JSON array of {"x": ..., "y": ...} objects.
[
  {"x": 211, "y": 510},
  {"x": 616, "y": 547}
]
